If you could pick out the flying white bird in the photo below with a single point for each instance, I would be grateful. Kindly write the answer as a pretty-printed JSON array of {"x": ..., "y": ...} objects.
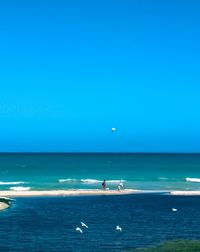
[
  {"x": 79, "y": 229},
  {"x": 113, "y": 129},
  {"x": 83, "y": 224},
  {"x": 174, "y": 210},
  {"x": 118, "y": 228}
]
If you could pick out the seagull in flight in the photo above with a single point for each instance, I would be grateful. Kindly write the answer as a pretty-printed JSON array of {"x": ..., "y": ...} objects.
[
  {"x": 118, "y": 228},
  {"x": 174, "y": 210},
  {"x": 83, "y": 224},
  {"x": 79, "y": 229}
]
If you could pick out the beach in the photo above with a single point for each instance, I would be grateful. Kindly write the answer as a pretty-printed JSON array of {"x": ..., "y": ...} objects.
[
  {"x": 65, "y": 193},
  {"x": 91, "y": 192}
]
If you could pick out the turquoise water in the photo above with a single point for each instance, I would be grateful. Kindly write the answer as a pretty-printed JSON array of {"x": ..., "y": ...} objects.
[{"x": 86, "y": 171}]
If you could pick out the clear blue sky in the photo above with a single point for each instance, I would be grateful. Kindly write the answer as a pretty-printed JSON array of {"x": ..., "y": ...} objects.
[{"x": 72, "y": 70}]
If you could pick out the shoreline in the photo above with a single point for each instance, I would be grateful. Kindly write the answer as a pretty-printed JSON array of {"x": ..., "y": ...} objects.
[
  {"x": 91, "y": 192},
  {"x": 32, "y": 193}
]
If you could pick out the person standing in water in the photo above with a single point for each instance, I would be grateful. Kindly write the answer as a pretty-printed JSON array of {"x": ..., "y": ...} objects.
[
  {"x": 104, "y": 185},
  {"x": 120, "y": 185}
]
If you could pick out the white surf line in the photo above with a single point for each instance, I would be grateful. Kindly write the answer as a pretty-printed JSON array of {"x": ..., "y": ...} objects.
[{"x": 196, "y": 180}]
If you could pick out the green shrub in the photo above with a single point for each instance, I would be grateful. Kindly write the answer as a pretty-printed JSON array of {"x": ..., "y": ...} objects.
[{"x": 173, "y": 246}]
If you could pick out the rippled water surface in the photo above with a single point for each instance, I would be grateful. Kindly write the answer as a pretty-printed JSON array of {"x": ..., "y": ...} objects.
[
  {"x": 47, "y": 171},
  {"x": 48, "y": 223}
]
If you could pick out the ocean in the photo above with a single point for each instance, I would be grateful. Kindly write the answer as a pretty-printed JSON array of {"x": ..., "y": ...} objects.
[
  {"x": 49, "y": 223},
  {"x": 87, "y": 171}
]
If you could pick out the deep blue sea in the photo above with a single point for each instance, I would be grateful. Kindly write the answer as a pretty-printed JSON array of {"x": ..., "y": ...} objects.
[
  {"x": 86, "y": 171},
  {"x": 49, "y": 223}
]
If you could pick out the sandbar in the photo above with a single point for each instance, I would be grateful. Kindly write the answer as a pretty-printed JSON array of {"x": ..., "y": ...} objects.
[
  {"x": 3, "y": 205},
  {"x": 185, "y": 193},
  {"x": 64, "y": 193},
  {"x": 81, "y": 192}
]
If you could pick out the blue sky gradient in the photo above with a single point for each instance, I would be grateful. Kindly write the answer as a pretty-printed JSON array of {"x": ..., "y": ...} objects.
[{"x": 72, "y": 70}]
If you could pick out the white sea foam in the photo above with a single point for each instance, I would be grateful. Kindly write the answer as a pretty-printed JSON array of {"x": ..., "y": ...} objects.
[
  {"x": 70, "y": 180},
  {"x": 12, "y": 183},
  {"x": 20, "y": 188},
  {"x": 115, "y": 181},
  {"x": 163, "y": 178},
  {"x": 66, "y": 180},
  {"x": 193, "y": 180},
  {"x": 90, "y": 181}
]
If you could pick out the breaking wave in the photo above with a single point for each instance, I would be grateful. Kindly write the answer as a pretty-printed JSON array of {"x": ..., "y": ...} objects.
[
  {"x": 20, "y": 188},
  {"x": 90, "y": 181},
  {"x": 193, "y": 180},
  {"x": 12, "y": 183},
  {"x": 67, "y": 180}
]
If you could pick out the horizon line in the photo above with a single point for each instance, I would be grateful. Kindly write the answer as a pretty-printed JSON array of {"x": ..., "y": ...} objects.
[{"x": 90, "y": 152}]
